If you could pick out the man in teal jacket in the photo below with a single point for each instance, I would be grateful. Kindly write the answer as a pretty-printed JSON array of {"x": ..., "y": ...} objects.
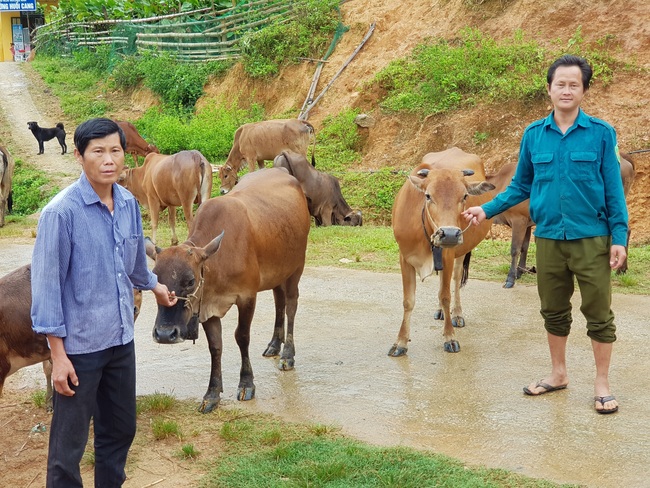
[{"x": 569, "y": 168}]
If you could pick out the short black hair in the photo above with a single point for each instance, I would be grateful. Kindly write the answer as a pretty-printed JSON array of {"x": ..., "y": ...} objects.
[
  {"x": 571, "y": 60},
  {"x": 96, "y": 129}
]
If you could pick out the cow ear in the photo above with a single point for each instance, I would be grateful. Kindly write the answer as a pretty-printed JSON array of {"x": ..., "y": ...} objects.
[
  {"x": 151, "y": 248},
  {"x": 419, "y": 181},
  {"x": 213, "y": 246},
  {"x": 480, "y": 188}
]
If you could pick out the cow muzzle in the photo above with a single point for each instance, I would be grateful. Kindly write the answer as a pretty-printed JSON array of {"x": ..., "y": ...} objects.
[
  {"x": 447, "y": 237},
  {"x": 168, "y": 335}
]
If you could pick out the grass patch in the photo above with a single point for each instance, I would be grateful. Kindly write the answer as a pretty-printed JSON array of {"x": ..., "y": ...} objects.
[
  {"x": 39, "y": 398},
  {"x": 340, "y": 462},
  {"x": 155, "y": 403},
  {"x": 31, "y": 189},
  {"x": 188, "y": 451},
  {"x": 163, "y": 429}
]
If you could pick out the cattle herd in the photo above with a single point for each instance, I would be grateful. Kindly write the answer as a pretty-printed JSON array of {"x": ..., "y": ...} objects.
[{"x": 254, "y": 238}]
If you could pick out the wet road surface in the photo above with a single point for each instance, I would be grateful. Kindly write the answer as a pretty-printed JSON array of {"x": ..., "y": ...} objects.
[{"x": 467, "y": 405}]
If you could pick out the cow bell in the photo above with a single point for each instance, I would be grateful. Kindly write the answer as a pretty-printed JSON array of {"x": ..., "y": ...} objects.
[{"x": 193, "y": 328}]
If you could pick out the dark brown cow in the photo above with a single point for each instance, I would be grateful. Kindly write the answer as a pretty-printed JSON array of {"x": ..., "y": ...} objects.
[
  {"x": 20, "y": 346},
  {"x": 6, "y": 175},
  {"x": 172, "y": 181},
  {"x": 252, "y": 239},
  {"x": 518, "y": 218},
  {"x": 135, "y": 143},
  {"x": 262, "y": 141},
  {"x": 323, "y": 192},
  {"x": 431, "y": 233}
]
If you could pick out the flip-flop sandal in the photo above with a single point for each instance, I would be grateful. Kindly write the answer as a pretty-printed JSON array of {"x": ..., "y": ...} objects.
[
  {"x": 603, "y": 400},
  {"x": 547, "y": 388}
]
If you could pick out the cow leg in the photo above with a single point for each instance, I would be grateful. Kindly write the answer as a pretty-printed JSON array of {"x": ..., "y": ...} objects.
[
  {"x": 172, "y": 224},
  {"x": 444, "y": 296},
  {"x": 246, "y": 389},
  {"x": 457, "y": 319},
  {"x": 212, "y": 328},
  {"x": 519, "y": 227},
  {"x": 187, "y": 211},
  {"x": 408, "y": 289},
  {"x": 287, "y": 360},
  {"x": 154, "y": 213},
  {"x": 47, "y": 369},
  {"x": 275, "y": 346},
  {"x": 521, "y": 268},
  {"x": 260, "y": 164}
]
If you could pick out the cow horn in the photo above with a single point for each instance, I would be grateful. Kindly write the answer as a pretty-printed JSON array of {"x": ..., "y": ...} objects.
[
  {"x": 423, "y": 173},
  {"x": 468, "y": 172}
]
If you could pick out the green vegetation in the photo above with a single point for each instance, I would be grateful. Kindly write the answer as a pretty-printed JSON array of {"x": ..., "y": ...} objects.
[
  {"x": 306, "y": 35},
  {"x": 442, "y": 74},
  {"x": 163, "y": 429},
  {"x": 155, "y": 403},
  {"x": 31, "y": 190},
  {"x": 38, "y": 398},
  {"x": 188, "y": 451},
  {"x": 259, "y": 451}
]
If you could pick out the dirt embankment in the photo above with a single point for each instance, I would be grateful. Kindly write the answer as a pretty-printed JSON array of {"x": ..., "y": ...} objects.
[{"x": 401, "y": 140}]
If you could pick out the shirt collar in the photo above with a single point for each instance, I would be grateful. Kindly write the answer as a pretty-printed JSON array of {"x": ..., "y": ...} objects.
[
  {"x": 582, "y": 120},
  {"x": 90, "y": 197}
]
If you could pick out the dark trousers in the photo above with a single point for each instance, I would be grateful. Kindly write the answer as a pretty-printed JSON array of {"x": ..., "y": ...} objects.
[
  {"x": 558, "y": 262},
  {"x": 106, "y": 393}
]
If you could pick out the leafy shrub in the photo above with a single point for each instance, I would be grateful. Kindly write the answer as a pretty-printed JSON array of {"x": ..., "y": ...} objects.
[
  {"x": 128, "y": 73},
  {"x": 307, "y": 35},
  {"x": 442, "y": 75},
  {"x": 338, "y": 142},
  {"x": 210, "y": 130}
]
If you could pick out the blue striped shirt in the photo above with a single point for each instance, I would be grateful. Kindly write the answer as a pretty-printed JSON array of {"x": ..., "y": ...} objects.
[
  {"x": 573, "y": 181},
  {"x": 85, "y": 264}
]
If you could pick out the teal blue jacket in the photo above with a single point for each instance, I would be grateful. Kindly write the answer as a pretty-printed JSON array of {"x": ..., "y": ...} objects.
[{"x": 573, "y": 181}]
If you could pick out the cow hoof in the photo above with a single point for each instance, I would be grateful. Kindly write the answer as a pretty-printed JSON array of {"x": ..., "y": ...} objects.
[
  {"x": 245, "y": 394},
  {"x": 286, "y": 364},
  {"x": 439, "y": 315},
  {"x": 208, "y": 406},
  {"x": 508, "y": 284},
  {"x": 458, "y": 322},
  {"x": 397, "y": 351},
  {"x": 452, "y": 346},
  {"x": 272, "y": 350}
]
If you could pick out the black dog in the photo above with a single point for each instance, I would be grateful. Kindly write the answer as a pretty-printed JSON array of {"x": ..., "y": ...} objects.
[{"x": 41, "y": 134}]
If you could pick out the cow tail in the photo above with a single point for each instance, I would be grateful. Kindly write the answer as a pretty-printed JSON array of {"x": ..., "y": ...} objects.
[
  {"x": 465, "y": 276},
  {"x": 205, "y": 182}
]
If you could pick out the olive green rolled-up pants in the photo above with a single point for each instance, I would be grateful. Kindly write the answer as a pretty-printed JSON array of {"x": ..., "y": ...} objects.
[{"x": 588, "y": 260}]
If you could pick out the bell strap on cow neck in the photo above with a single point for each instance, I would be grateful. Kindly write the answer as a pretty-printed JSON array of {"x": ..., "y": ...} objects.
[{"x": 436, "y": 251}]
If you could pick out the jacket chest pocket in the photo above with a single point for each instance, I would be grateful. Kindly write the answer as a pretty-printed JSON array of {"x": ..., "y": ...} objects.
[
  {"x": 130, "y": 254},
  {"x": 542, "y": 166},
  {"x": 583, "y": 165}
]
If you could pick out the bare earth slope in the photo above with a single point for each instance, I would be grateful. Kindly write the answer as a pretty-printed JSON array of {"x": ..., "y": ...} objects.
[{"x": 400, "y": 26}]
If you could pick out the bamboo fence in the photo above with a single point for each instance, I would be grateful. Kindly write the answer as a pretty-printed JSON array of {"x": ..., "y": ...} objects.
[{"x": 197, "y": 36}]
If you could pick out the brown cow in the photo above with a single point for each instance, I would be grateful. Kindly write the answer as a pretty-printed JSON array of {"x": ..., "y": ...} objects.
[
  {"x": 432, "y": 234},
  {"x": 172, "y": 181},
  {"x": 518, "y": 218},
  {"x": 262, "y": 141},
  {"x": 135, "y": 144},
  {"x": 6, "y": 175},
  {"x": 323, "y": 192},
  {"x": 20, "y": 346},
  {"x": 252, "y": 239}
]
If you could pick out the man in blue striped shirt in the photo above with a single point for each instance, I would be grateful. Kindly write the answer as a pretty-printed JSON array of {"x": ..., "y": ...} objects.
[
  {"x": 88, "y": 256},
  {"x": 569, "y": 168}
]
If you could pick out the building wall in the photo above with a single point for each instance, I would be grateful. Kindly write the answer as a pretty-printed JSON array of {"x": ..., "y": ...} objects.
[{"x": 5, "y": 34}]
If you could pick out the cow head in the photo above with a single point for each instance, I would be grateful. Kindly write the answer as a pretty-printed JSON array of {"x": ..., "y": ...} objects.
[
  {"x": 228, "y": 176},
  {"x": 353, "y": 218},
  {"x": 180, "y": 268},
  {"x": 445, "y": 195}
]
